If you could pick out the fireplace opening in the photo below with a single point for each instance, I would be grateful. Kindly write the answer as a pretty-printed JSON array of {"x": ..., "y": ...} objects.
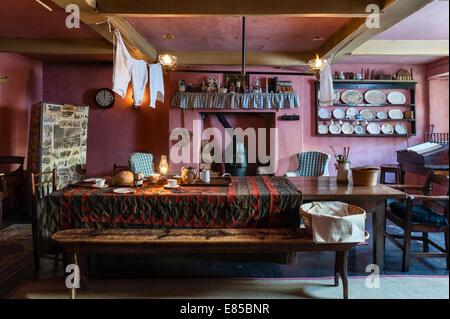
[{"x": 244, "y": 120}]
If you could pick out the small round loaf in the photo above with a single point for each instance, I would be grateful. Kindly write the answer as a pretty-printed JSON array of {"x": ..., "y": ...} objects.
[{"x": 124, "y": 178}]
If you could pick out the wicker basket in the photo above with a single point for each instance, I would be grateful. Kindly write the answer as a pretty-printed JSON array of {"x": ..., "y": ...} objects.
[
  {"x": 365, "y": 175},
  {"x": 307, "y": 219}
]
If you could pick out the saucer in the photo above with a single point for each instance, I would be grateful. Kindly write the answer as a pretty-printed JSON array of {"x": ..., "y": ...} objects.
[
  {"x": 167, "y": 186},
  {"x": 124, "y": 190},
  {"x": 96, "y": 186}
]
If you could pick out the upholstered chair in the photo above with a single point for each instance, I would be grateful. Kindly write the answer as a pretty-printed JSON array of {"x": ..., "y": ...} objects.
[
  {"x": 141, "y": 162},
  {"x": 311, "y": 163}
]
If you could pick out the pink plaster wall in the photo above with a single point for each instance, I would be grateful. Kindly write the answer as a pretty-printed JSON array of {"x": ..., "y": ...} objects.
[
  {"x": 298, "y": 136},
  {"x": 23, "y": 88},
  {"x": 439, "y": 104},
  {"x": 438, "y": 67},
  {"x": 113, "y": 133}
]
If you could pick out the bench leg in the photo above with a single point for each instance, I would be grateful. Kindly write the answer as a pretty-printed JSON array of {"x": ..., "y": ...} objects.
[
  {"x": 74, "y": 290},
  {"x": 340, "y": 269}
]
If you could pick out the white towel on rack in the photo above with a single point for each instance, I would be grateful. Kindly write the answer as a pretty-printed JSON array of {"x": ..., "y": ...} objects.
[{"x": 156, "y": 84}]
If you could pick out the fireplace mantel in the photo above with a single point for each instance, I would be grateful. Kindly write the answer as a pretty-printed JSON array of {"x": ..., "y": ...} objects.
[{"x": 188, "y": 100}]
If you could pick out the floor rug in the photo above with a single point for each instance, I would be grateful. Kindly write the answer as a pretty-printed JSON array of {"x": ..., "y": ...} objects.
[
  {"x": 388, "y": 287},
  {"x": 16, "y": 250}
]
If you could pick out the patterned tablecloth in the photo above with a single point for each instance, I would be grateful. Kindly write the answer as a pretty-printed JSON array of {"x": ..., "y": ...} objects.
[{"x": 259, "y": 201}]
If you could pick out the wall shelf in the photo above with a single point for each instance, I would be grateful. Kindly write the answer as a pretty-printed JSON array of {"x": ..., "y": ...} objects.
[{"x": 362, "y": 86}]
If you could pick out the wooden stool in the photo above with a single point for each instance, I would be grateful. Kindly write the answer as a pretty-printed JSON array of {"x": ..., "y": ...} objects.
[{"x": 390, "y": 168}]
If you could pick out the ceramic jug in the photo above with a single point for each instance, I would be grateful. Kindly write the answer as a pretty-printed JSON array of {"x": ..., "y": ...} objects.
[{"x": 343, "y": 171}]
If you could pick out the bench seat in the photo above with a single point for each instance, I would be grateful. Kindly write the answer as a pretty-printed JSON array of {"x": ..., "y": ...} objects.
[{"x": 82, "y": 242}]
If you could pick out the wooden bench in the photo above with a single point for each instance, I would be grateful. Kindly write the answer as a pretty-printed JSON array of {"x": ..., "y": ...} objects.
[{"x": 82, "y": 242}]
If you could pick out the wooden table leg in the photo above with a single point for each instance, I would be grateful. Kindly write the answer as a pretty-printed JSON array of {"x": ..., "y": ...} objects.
[
  {"x": 74, "y": 291},
  {"x": 378, "y": 229},
  {"x": 340, "y": 269}
]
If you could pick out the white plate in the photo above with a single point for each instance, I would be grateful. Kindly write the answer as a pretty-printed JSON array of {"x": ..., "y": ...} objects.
[
  {"x": 382, "y": 115},
  {"x": 373, "y": 128},
  {"x": 396, "y": 97},
  {"x": 339, "y": 114},
  {"x": 123, "y": 190},
  {"x": 387, "y": 129},
  {"x": 88, "y": 180},
  {"x": 324, "y": 114},
  {"x": 395, "y": 114},
  {"x": 167, "y": 186},
  {"x": 375, "y": 97},
  {"x": 347, "y": 128},
  {"x": 351, "y": 112},
  {"x": 96, "y": 186},
  {"x": 359, "y": 129},
  {"x": 334, "y": 128},
  {"x": 322, "y": 129},
  {"x": 368, "y": 114},
  {"x": 336, "y": 96},
  {"x": 400, "y": 129},
  {"x": 352, "y": 97}
]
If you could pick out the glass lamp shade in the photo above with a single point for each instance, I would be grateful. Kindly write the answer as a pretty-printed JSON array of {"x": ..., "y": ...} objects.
[
  {"x": 163, "y": 165},
  {"x": 167, "y": 60},
  {"x": 317, "y": 64}
]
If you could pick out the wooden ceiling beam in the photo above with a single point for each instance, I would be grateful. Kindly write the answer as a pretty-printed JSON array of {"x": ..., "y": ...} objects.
[
  {"x": 356, "y": 32},
  {"x": 404, "y": 47},
  {"x": 188, "y": 58},
  {"x": 167, "y": 8},
  {"x": 55, "y": 46},
  {"x": 89, "y": 16}
]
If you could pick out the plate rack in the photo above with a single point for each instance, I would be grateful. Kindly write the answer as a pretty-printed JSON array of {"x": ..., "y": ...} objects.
[{"x": 363, "y": 86}]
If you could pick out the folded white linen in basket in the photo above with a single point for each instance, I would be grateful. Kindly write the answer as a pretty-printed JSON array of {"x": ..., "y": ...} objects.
[{"x": 331, "y": 223}]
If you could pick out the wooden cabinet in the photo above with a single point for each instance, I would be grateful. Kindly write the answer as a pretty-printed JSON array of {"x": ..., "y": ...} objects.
[{"x": 408, "y": 88}]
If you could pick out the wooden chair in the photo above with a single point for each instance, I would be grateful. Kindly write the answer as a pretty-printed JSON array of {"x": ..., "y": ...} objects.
[
  {"x": 42, "y": 184},
  {"x": 418, "y": 215},
  {"x": 119, "y": 168}
]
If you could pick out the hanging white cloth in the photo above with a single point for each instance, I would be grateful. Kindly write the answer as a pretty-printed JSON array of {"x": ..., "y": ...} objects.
[
  {"x": 127, "y": 69},
  {"x": 156, "y": 84},
  {"x": 326, "y": 85}
]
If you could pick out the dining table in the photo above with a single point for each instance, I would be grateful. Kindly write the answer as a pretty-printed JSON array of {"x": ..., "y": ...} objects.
[
  {"x": 246, "y": 202},
  {"x": 371, "y": 198}
]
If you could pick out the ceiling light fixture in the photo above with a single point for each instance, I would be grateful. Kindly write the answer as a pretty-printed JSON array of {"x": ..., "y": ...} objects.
[
  {"x": 168, "y": 61},
  {"x": 317, "y": 64},
  {"x": 168, "y": 36},
  {"x": 44, "y": 5},
  {"x": 318, "y": 38}
]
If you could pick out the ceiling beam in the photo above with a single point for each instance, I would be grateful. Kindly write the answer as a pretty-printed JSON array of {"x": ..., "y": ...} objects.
[
  {"x": 314, "y": 8},
  {"x": 404, "y": 47},
  {"x": 355, "y": 33},
  {"x": 55, "y": 46},
  {"x": 89, "y": 16},
  {"x": 188, "y": 58}
]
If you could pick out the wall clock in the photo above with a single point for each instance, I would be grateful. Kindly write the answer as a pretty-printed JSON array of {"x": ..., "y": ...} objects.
[{"x": 105, "y": 98}]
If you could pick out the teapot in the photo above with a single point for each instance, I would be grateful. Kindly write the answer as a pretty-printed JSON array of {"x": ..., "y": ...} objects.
[{"x": 189, "y": 175}]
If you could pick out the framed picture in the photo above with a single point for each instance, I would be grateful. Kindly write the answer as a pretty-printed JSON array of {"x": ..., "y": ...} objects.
[{"x": 233, "y": 78}]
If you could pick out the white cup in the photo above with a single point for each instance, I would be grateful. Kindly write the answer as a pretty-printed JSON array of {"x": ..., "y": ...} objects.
[
  {"x": 100, "y": 182},
  {"x": 172, "y": 182},
  {"x": 205, "y": 176}
]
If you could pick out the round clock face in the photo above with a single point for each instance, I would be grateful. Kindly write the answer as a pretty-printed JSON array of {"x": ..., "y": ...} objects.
[{"x": 105, "y": 98}]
